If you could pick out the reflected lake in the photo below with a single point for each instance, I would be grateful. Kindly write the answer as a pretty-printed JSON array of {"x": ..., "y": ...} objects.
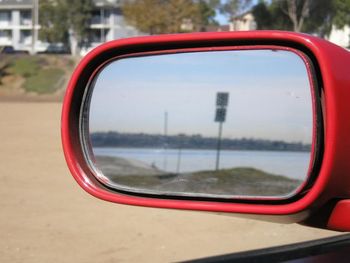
[{"x": 286, "y": 163}]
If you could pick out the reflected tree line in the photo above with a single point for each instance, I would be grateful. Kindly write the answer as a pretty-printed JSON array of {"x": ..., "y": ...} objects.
[{"x": 197, "y": 141}]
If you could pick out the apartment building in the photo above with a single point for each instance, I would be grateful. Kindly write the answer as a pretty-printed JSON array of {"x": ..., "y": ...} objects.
[
  {"x": 19, "y": 30},
  {"x": 243, "y": 22},
  {"x": 108, "y": 23},
  {"x": 16, "y": 26}
]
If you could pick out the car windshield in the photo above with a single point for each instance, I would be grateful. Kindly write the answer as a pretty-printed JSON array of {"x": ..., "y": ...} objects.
[{"x": 44, "y": 216}]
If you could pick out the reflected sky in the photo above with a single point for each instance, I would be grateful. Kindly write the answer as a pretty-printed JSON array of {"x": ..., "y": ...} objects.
[{"x": 269, "y": 91}]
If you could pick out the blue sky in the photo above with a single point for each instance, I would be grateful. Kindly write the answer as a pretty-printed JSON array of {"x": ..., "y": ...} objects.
[{"x": 269, "y": 91}]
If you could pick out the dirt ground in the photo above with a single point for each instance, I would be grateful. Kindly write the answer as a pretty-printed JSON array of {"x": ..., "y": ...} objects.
[{"x": 46, "y": 217}]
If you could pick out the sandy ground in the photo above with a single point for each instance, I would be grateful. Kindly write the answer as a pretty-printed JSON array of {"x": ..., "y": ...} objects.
[{"x": 46, "y": 217}]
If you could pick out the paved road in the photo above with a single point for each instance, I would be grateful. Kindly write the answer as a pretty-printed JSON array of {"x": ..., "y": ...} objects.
[{"x": 46, "y": 217}]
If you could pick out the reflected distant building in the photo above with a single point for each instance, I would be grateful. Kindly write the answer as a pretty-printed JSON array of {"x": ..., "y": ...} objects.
[{"x": 19, "y": 24}]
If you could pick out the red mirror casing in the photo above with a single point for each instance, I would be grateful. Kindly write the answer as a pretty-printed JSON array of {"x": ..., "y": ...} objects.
[{"x": 322, "y": 204}]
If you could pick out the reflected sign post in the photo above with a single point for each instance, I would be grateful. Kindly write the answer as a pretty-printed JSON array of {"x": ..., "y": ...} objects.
[{"x": 220, "y": 117}]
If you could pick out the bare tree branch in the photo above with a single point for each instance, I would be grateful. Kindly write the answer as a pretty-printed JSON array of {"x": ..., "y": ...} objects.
[{"x": 290, "y": 8}]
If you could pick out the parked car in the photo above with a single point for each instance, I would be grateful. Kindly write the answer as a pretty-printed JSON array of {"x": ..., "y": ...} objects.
[
  {"x": 11, "y": 50},
  {"x": 57, "y": 48},
  {"x": 250, "y": 123}
]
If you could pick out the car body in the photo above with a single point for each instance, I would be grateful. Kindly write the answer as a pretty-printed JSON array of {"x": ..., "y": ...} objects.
[{"x": 323, "y": 201}]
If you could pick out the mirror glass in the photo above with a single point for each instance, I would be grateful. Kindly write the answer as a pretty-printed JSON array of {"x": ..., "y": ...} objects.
[{"x": 233, "y": 123}]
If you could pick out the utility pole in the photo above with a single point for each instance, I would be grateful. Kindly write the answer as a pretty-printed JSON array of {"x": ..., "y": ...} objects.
[
  {"x": 165, "y": 146},
  {"x": 218, "y": 148},
  {"x": 178, "y": 165},
  {"x": 220, "y": 117},
  {"x": 35, "y": 23}
]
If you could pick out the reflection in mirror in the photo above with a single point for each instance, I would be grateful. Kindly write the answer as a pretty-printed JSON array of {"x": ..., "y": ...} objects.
[{"x": 227, "y": 124}]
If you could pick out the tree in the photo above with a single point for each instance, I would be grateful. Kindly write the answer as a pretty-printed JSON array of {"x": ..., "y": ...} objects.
[
  {"x": 297, "y": 11},
  {"x": 312, "y": 16},
  {"x": 232, "y": 8},
  {"x": 206, "y": 13},
  {"x": 270, "y": 16},
  {"x": 342, "y": 14},
  {"x": 53, "y": 21},
  {"x": 60, "y": 19},
  {"x": 321, "y": 18},
  {"x": 79, "y": 15},
  {"x": 169, "y": 16},
  {"x": 262, "y": 15}
]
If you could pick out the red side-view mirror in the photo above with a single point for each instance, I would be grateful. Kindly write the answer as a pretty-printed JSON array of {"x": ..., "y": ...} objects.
[{"x": 252, "y": 123}]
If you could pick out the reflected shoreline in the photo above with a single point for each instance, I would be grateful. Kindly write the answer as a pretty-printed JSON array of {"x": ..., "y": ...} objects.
[
  {"x": 236, "y": 181},
  {"x": 191, "y": 142}
]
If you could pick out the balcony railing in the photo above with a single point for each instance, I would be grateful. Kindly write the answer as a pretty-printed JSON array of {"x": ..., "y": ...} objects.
[
  {"x": 26, "y": 40},
  {"x": 26, "y": 21},
  {"x": 5, "y": 41},
  {"x": 97, "y": 20},
  {"x": 5, "y": 23}
]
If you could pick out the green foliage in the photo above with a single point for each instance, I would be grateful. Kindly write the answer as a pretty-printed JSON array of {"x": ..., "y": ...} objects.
[
  {"x": 53, "y": 20},
  {"x": 232, "y": 8},
  {"x": 206, "y": 13},
  {"x": 58, "y": 17},
  {"x": 79, "y": 14},
  {"x": 270, "y": 16},
  {"x": 321, "y": 17},
  {"x": 342, "y": 15},
  {"x": 41, "y": 74},
  {"x": 279, "y": 18},
  {"x": 26, "y": 66},
  {"x": 45, "y": 81},
  {"x": 262, "y": 15},
  {"x": 171, "y": 16},
  {"x": 274, "y": 15}
]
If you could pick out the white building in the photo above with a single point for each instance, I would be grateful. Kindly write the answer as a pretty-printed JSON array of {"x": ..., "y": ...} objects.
[
  {"x": 341, "y": 37},
  {"x": 16, "y": 24},
  {"x": 108, "y": 23},
  {"x": 17, "y": 27},
  {"x": 243, "y": 22}
]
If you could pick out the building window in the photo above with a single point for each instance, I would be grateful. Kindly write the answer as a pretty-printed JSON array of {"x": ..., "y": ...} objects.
[
  {"x": 5, "y": 37},
  {"x": 5, "y": 18},
  {"x": 100, "y": 17},
  {"x": 25, "y": 37},
  {"x": 98, "y": 35},
  {"x": 26, "y": 17}
]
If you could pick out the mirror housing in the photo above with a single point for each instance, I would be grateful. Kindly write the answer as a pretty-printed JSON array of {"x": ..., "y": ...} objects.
[{"x": 325, "y": 200}]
